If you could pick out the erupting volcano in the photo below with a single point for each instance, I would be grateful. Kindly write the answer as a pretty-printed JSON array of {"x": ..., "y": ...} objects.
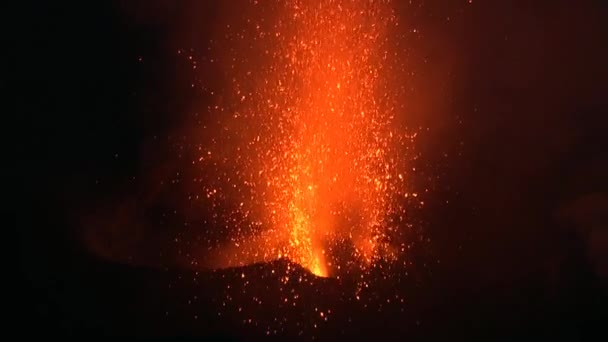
[
  {"x": 308, "y": 170},
  {"x": 303, "y": 156}
]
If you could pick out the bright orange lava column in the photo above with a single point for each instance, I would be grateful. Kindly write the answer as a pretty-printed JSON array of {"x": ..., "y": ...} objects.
[{"x": 312, "y": 138}]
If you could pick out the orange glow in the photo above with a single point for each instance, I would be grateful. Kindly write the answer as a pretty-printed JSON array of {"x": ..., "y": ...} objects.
[{"x": 306, "y": 145}]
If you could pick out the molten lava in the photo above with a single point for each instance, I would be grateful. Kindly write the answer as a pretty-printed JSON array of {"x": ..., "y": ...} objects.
[{"x": 305, "y": 159}]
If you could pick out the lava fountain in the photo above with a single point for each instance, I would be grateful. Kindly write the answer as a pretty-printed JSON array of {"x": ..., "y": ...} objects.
[{"x": 304, "y": 157}]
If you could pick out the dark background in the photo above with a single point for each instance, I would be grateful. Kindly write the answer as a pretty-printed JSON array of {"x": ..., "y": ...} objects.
[{"x": 514, "y": 94}]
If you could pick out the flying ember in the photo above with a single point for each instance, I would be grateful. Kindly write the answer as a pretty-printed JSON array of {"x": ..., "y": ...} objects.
[{"x": 304, "y": 157}]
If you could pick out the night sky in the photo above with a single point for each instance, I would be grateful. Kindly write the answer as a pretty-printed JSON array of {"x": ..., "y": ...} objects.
[{"x": 513, "y": 96}]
